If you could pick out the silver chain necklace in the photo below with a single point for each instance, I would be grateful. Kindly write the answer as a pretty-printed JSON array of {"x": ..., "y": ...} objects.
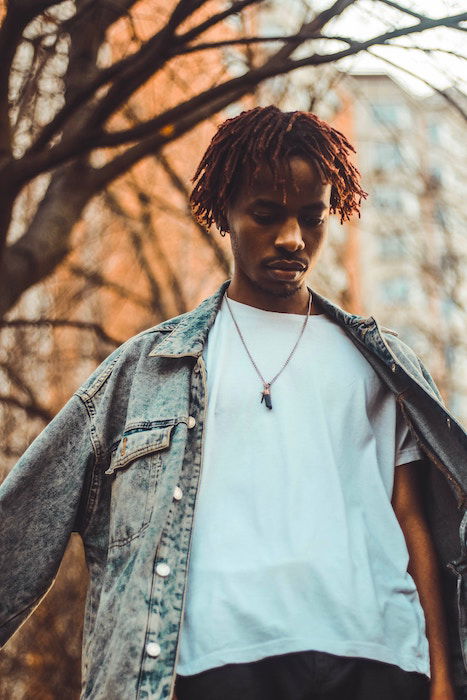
[{"x": 266, "y": 393}]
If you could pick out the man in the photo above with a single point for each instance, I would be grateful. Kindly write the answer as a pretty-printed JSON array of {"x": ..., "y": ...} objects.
[{"x": 314, "y": 443}]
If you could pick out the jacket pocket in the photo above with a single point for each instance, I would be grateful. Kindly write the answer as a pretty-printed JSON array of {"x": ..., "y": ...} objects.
[{"x": 135, "y": 466}]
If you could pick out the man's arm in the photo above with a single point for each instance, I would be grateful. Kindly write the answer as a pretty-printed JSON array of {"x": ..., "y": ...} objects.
[
  {"x": 39, "y": 504},
  {"x": 423, "y": 567}
]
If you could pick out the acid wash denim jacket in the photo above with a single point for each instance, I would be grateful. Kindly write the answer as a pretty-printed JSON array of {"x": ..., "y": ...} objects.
[{"x": 121, "y": 463}]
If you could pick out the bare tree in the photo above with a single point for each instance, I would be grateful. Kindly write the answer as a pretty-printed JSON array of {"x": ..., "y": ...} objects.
[{"x": 75, "y": 137}]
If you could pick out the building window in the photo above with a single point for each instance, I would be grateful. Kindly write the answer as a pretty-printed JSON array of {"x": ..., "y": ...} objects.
[
  {"x": 438, "y": 133},
  {"x": 391, "y": 114},
  {"x": 440, "y": 217},
  {"x": 394, "y": 199},
  {"x": 392, "y": 247},
  {"x": 437, "y": 176},
  {"x": 395, "y": 290},
  {"x": 388, "y": 198},
  {"x": 387, "y": 156},
  {"x": 449, "y": 308},
  {"x": 409, "y": 334}
]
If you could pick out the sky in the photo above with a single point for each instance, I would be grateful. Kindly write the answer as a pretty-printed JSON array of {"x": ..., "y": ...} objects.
[{"x": 368, "y": 17}]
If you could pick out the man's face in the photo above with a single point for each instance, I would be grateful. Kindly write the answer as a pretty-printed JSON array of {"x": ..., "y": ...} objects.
[{"x": 275, "y": 238}]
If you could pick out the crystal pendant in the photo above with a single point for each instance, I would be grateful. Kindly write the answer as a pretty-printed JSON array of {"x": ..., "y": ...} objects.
[{"x": 266, "y": 396}]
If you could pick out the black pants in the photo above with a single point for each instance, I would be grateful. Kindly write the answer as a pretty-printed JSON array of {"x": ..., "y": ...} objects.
[{"x": 305, "y": 675}]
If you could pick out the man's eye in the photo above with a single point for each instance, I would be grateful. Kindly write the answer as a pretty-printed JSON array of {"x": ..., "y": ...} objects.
[
  {"x": 312, "y": 221},
  {"x": 263, "y": 218}
]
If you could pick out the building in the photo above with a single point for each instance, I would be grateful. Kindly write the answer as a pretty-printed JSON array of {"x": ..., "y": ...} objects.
[{"x": 408, "y": 248}]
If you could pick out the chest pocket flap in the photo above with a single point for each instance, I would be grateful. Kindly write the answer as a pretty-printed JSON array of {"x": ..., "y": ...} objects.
[
  {"x": 135, "y": 468},
  {"x": 137, "y": 443}
]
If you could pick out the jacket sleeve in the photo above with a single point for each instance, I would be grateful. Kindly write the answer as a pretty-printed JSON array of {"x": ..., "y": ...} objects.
[
  {"x": 39, "y": 501},
  {"x": 405, "y": 354},
  {"x": 429, "y": 379}
]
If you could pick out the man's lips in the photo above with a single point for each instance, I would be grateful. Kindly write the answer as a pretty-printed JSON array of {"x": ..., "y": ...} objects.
[
  {"x": 286, "y": 265},
  {"x": 285, "y": 270}
]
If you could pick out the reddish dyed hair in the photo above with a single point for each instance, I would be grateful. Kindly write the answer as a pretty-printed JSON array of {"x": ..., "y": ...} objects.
[{"x": 268, "y": 135}]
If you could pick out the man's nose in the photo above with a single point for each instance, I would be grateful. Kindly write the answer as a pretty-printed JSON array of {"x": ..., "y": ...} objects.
[{"x": 290, "y": 236}]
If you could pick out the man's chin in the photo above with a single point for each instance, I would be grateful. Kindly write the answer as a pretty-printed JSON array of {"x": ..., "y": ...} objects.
[{"x": 281, "y": 290}]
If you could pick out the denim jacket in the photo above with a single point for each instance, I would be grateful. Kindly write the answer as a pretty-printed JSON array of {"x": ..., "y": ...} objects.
[{"x": 120, "y": 464}]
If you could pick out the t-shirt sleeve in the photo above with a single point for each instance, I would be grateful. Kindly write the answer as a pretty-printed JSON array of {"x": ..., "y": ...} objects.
[{"x": 407, "y": 449}]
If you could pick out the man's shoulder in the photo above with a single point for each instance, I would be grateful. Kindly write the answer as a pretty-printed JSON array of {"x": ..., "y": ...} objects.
[
  {"x": 371, "y": 333},
  {"x": 145, "y": 344},
  {"x": 398, "y": 346},
  {"x": 409, "y": 360},
  {"x": 129, "y": 353}
]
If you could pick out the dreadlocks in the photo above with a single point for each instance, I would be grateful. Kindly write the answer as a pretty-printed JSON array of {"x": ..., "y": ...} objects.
[{"x": 268, "y": 135}]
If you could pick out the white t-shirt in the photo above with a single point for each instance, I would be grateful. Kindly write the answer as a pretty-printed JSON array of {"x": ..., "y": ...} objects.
[{"x": 295, "y": 543}]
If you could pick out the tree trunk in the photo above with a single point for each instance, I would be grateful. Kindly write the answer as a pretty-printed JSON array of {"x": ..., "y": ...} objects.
[{"x": 47, "y": 241}]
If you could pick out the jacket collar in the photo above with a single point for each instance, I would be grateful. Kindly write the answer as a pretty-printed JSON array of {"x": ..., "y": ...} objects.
[{"x": 188, "y": 333}]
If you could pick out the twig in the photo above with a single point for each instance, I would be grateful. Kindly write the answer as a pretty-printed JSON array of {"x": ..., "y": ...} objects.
[
  {"x": 443, "y": 93},
  {"x": 406, "y": 10},
  {"x": 262, "y": 40},
  {"x": 178, "y": 183},
  {"x": 61, "y": 323},
  {"x": 158, "y": 303},
  {"x": 32, "y": 408},
  {"x": 267, "y": 70},
  {"x": 97, "y": 279}
]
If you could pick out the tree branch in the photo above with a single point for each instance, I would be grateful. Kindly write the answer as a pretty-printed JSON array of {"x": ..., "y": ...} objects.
[
  {"x": 146, "y": 226},
  {"x": 207, "y": 236},
  {"x": 429, "y": 50},
  {"x": 234, "y": 9},
  {"x": 261, "y": 40},
  {"x": 61, "y": 323},
  {"x": 129, "y": 73},
  {"x": 406, "y": 10},
  {"x": 235, "y": 87},
  {"x": 443, "y": 93},
  {"x": 33, "y": 165},
  {"x": 10, "y": 36},
  {"x": 154, "y": 286},
  {"x": 135, "y": 74},
  {"x": 269, "y": 69},
  {"x": 46, "y": 242},
  {"x": 156, "y": 52},
  {"x": 18, "y": 381},
  {"x": 32, "y": 408},
  {"x": 97, "y": 279},
  {"x": 89, "y": 87}
]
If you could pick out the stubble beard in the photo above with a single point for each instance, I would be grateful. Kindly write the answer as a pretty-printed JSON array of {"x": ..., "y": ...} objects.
[{"x": 280, "y": 293}]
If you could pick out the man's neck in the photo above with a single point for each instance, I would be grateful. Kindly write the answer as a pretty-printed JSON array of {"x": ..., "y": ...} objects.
[{"x": 294, "y": 304}]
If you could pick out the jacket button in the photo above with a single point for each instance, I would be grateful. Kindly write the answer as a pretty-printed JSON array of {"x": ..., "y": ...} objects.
[
  {"x": 162, "y": 569},
  {"x": 178, "y": 493},
  {"x": 393, "y": 367},
  {"x": 191, "y": 422},
  {"x": 153, "y": 649}
]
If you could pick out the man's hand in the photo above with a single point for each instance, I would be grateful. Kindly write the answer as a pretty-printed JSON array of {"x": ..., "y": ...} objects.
[
  {"x": 442, "y": 690},
  {"x": 424, "y": 569}
]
